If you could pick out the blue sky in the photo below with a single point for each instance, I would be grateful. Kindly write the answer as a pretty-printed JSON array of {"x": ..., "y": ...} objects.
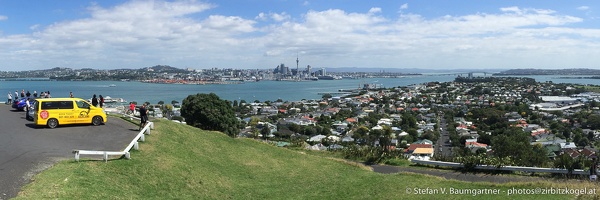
[{"x": 440, "y": 34}]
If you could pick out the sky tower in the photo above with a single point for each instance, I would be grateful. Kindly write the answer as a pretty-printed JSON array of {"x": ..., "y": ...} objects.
[{"x": 297, "y": 69}]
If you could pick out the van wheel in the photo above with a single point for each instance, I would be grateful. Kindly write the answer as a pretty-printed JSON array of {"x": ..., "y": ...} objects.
[
  {"x": 97, "y": 120},
  {"x": 52, "y": 123}
]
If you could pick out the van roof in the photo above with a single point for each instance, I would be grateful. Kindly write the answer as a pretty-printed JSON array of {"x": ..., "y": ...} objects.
[{"x": 57, "y": 99}]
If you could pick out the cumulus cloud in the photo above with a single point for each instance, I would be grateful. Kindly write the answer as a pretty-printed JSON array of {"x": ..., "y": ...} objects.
[
  {"x": 34, "y": 27},
  {"x": 583, "y": 8},
  {"x": 374, "y": 10},
  {"x": 404, "y": 6},
  {"x": 146, "y": 33},
  {"x": 278, "y": 17}
]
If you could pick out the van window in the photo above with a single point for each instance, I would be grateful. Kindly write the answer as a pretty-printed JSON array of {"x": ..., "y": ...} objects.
[
  {"x": 57, "y": 105},
  {"x": 65, "y": 104},
  {"x": 83, "y": 104}
]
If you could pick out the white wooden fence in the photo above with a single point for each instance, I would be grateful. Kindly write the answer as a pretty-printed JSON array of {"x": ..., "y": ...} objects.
[
  {"x": 133, "y": 144},
  {"x": 503, "y": 168}
]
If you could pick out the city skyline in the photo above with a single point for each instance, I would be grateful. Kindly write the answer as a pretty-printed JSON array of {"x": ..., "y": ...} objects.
[{"x": 332, "y": 34}]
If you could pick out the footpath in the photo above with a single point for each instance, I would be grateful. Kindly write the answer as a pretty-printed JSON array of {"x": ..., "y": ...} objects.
[{"x": 456, "y": 175}]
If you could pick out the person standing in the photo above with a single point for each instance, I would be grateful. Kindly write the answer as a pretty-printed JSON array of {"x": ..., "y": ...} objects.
[
  {"x": 22, "y": 93},
  {"x": 131, "y": 107},
  {"x": 143, "y": 116},
  {"x": 101, "y": 101},
  {"x": 16, "y": 95},
  {"x": 71, "y": 94},
  {"x": 94, "y": 101},
  {"x": 35, "y": 94},
  {"x": 9, "y": 98},
  {"x": 27, "y": 105},
  {"x": 27, "y": 94}
]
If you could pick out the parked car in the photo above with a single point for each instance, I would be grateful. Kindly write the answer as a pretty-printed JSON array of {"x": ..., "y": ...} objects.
[
  {"x": 52, "y": 112},
  {"x": 29, "y": 115},
  {"x": 21, "y": 103}
]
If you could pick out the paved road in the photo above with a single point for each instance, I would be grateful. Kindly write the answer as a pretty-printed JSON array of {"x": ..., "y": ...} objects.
[
  {"x": 443, "y": 146},
  {"x": 26, "y": 149}
]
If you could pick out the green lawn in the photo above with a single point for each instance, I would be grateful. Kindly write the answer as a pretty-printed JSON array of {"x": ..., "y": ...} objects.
[{"x": 181, "y": 162}]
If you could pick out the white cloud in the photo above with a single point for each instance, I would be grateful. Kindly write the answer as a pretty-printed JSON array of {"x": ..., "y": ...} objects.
[
  {"x": 306, "y": 3},
  {"x": 141, "y": 34},
  {"x": 2, "y": 17},
  {"x": 261, "y": 16},
  {"x": 404, "y": 6},
  {"x": 374, "y": 10},
  {"x": 583, "y": 8},
  {"x": 34, "y": 27},
  {"x": 278, "y": 17},
  {"x": 514, "y": 9}
]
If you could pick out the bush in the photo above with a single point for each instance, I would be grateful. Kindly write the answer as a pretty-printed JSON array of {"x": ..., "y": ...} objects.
[
  {"x": 209, "y": 112},
  {"x": 178, "y": 118}
]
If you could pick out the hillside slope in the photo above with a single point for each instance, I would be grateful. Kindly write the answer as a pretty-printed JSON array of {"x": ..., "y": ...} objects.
[{"x": 181, "y": 162}]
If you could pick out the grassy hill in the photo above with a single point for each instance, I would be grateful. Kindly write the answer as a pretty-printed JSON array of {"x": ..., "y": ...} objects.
[{"x": 181, "y": 162}]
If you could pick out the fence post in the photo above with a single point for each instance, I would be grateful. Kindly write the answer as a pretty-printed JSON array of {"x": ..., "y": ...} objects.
[
  {"x": 105, "y": 156},
  {"x": 142, "y": 138},
  {"x": 136, "y": 145},
  {"x": 77, "y": 156},
  {"x": 127, "y": 155}
]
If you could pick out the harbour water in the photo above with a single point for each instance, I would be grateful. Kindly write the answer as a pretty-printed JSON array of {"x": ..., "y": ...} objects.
[{"x": 248, "y": 91}]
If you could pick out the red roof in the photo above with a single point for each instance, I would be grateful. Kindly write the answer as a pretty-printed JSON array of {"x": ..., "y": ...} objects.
[
  {"x": 476, "y": 144},
  {"x": 352, "y": 120}
]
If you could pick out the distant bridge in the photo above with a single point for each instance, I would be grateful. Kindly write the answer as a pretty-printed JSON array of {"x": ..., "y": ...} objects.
[{"x": 334, "y": 93}]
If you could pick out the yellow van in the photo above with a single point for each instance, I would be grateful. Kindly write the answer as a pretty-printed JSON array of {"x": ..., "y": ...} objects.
[{"x": 54, "y": 111}]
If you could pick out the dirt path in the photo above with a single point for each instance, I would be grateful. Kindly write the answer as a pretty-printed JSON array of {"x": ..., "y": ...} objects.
[{"x": 455, "y": 175}]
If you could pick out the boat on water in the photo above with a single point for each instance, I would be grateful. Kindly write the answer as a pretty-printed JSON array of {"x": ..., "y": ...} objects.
[
  {"x": 112, "y": 85},
  {"x": 108, "y": 99}
]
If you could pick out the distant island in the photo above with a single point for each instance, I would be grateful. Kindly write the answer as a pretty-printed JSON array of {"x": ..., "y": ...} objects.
[{"x": 574, "y": 71}]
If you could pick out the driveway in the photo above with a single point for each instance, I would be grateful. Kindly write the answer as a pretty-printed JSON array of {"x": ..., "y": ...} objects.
[{"x": 26, "y": 149}]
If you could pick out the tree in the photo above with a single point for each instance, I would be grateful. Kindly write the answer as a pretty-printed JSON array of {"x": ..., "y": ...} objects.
[
  {"x": 515, "y": 143},
  {"x": 265, "y": 132},
  {"x": 593, "y": 121},
  {"x": 208, "y": 111}
]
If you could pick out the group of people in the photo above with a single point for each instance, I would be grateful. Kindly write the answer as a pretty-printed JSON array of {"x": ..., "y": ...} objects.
[
  {"x": 143, "y": 113},
  {"x": 13, "y": 98},
  {"x": 97, "y": 101}
]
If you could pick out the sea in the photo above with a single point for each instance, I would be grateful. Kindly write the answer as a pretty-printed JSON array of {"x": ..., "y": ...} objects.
[{"x": 248, "y": 91}]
